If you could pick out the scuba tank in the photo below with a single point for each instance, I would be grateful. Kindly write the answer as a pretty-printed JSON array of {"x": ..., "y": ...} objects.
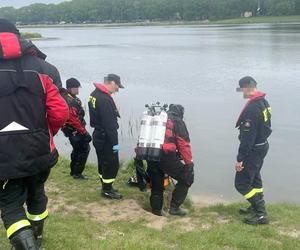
[
  {"x": 152, "y": 132},
  {"x": 158, "y": 133},
  {"x": 145, "y": 134}
]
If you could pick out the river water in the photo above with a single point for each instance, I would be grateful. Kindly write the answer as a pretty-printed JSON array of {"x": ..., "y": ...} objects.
[{"x": 198, "y": 67}]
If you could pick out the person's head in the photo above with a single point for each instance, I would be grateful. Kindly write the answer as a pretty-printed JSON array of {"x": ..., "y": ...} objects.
[
  {"x": 73, "y": 85},
  {"x": 247, "y": 86},
  {"x": 113, "y": 83},
  {"x": 7, "y": 26},
  {"x": 177, "y": 110}
]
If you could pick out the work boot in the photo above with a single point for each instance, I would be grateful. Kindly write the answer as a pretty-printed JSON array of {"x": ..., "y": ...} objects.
[
  {"x": 260, "y": 214},
  {"x": 24, "y": 240},
  {"x": 175, "y": 210},
  {"x": 79, "y": 177},
  {"x": 246, "y": 210},
  {"x": 38, "y": 227},
  {"x": 111, "y": 194},
  {"x": 250, "y": 209},
  {"x": 157, "y": 212}
]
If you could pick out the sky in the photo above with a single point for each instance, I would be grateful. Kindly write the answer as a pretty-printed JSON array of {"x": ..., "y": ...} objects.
[{"x": 21, "y": 3}]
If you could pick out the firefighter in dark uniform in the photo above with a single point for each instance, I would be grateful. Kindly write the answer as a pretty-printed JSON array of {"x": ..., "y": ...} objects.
[
  {"x": 75, "y": 130},
  {"x": 32, "y": 111},
  {"x": 104, "y": 118},
  {"x": 176, "y": 148},
  {"x": 254, "y": 125}
]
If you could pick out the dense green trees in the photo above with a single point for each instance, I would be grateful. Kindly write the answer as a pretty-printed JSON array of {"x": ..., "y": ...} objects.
[{"x": 78, "y": 11}]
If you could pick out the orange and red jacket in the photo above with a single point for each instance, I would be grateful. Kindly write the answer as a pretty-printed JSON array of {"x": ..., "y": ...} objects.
[
  {"x": 31, "y": 110},
  {"x": 177, "y": 139}
]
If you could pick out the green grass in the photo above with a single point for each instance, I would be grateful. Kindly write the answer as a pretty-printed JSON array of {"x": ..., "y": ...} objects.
[
  {"x": 81, "y": 219},
  {"x": 27, "y": 35}
]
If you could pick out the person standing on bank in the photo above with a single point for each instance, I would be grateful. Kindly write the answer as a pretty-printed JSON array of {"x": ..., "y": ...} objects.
[
  {"x": 32, "y": 111},
  {"x": 104, "y": 119},
  {"x": 254, "y": 124},
  {"x": 75, "y": 130}
]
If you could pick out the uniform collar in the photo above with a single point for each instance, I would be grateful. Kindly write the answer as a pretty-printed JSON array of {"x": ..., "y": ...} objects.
[
  {"x": 256, "y": 96},
  {"x": 102, "y": 88}
]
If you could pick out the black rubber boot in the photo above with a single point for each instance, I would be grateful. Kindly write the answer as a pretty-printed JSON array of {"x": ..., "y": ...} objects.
[
  {"x": 246, "y": 210},
  {"x": 176, "y": 210},
  {"x": 260, "y": 214},
  {"x": 110, "y": 193},
  {"x": 108, "y": 186},
  {"x": 38, "y": 228},
  {"x": 156, "y": 202},
  {"x": 250, "y": 209},
  {"x": 24, "y": 240},
  {"x": 79, "y": 177}
]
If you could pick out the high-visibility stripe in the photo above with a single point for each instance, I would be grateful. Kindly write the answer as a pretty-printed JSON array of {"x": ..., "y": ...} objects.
[
  {"x": 37, "y": 217},
  {"x": 100, "y": 176},
  {"x": 253, "y": 192},
  {"x": 266, "y": 113},
  {"x": 17, "y": 226},
  {"x": 108, "y": 180},
  {"x": 259, "y": 190},
  {"x": 92, "y": 100}
]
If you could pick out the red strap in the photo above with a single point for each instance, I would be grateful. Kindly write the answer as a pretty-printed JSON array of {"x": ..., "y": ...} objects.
[{"x": 10, "y": 45}]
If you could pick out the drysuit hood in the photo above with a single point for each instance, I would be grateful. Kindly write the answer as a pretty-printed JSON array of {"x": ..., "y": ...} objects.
[{"x": 176, "y": 110}]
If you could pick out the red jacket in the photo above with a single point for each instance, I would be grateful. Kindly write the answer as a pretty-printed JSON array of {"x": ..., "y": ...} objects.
[
  {"x": 177, "y": 138},
  {"x": 31, "y": 110}
]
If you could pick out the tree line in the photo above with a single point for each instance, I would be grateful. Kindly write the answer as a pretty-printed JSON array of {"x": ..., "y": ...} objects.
[{"x": 96, "y": 11}]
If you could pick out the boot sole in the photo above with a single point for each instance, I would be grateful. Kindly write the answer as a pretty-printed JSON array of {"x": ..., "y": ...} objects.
[
  {"x": 110, "y": 197},
  {"x": 259, "y": 222}
]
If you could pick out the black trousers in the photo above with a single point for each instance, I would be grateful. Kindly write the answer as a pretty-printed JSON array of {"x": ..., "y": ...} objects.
[
  {"x": 108, "y": 161},
  {"x": 248, "y": 182},
  {"x": 79, "y": 154},
  {"x": 16, "y": 192},
  {"x": 173, "y": 167}
]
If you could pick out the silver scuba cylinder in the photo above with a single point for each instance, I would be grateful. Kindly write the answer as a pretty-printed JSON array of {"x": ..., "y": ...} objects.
[
  {"x": 158, "y": 135},
  {"x": 152, "y": 132},
  {"x": 144, "y": 135}
]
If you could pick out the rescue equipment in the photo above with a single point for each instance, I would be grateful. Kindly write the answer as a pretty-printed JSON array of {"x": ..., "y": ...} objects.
[{"x": 152, "y": 132}]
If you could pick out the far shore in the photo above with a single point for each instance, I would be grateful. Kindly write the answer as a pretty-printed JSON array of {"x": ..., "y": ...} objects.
[{"x": 236, "y": 21}]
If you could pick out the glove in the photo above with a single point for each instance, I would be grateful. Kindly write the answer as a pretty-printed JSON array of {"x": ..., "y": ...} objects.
[
  {"x": 191, "y": 165},
  {"x": 116, "y": 148},
  {"x": 87, "y": 137},
  {"x": 189, "y": 174}
]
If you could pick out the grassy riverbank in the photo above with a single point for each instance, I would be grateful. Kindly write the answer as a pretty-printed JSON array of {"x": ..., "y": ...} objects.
[{"x": 81, "y": 219}]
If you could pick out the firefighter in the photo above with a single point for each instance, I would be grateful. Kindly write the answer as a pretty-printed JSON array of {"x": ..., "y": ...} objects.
[
  {"x": 32, "y": 111},
  {"x": 104, "y": 119},
  {"x": 254, "y": 124},
  {"x": 176, "y": 148},
  {"x": 75, "y": 130}
]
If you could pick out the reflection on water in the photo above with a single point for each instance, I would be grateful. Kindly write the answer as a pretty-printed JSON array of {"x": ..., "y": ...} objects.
[{"x": 198, "y": 67}]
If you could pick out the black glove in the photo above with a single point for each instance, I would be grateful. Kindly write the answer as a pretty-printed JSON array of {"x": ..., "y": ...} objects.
[
  {"x": 191, "y": 165},
  {"x": 189, "y": 173},
  {"x": 87, "y": 137}
]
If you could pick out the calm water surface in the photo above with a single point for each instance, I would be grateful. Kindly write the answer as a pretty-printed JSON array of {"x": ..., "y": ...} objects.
[{"x": 197, "y": 67}]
